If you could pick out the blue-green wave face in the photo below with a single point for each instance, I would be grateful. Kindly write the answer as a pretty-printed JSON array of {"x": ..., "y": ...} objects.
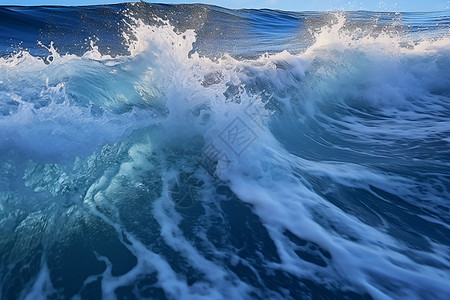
[{"x": 195, "y": 152}]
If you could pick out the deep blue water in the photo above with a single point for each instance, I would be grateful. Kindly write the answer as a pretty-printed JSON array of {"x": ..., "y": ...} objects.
[{"x": 195, "y": 152}]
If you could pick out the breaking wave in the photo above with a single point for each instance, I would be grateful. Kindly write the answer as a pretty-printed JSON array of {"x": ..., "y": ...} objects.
[{"x": 195, "y": 152}]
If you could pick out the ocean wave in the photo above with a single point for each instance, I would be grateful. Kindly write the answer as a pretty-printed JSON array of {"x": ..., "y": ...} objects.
[{"x": 197, "y": 152}]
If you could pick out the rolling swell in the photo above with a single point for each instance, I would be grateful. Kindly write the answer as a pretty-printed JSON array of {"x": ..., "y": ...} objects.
[{"x": 166, "y": 151}]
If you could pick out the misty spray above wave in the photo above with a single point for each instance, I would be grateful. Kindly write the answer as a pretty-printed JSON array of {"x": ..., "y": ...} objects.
[{"x": 284, "y": 156}]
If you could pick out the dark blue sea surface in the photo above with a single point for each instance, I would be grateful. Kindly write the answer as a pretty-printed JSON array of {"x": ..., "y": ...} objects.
[{"x": 152, "y": 151}]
